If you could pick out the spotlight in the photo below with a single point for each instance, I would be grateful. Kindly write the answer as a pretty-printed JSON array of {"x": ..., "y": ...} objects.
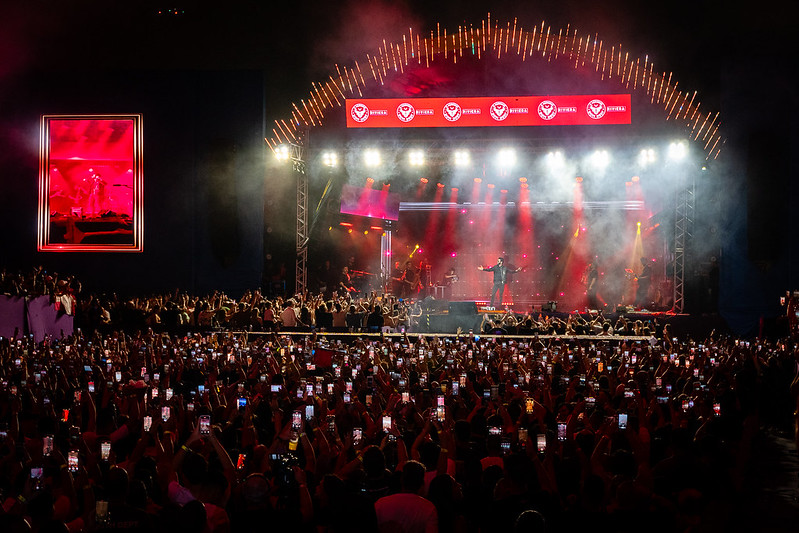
[
  {"x": 506, "y": 158},
  {"x": 462, "y": 158},
  {"x": 555, "y": 161},
  {"x": 600, "y": 158},
  {"x": 678, "y": 150},
  {"x": 282, "y": 152},
  {"x": 416, "y": 158},
  {"x": 646, "y": 157},
  {"x": 330, "y": 159},
  {"x": 371, "y": 157},
  {"x": 478, "y": 180},
  {"x": 424, "y": 180}
]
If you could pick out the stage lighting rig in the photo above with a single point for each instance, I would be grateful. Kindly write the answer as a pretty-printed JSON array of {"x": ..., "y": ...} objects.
[
  {"x": 416, "y": 158},
  {"x": 678, "y": 150},
  {"x": 600, "y": 159},
  {"x": 646, "y": 157},
  {"x": 371, "y": 158},
  {"x": 330, "y": 159},
  {"x": 506, "y": 158},
  {"x": 462, "y": 158}
]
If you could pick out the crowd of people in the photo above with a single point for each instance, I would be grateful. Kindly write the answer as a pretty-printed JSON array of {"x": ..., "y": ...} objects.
[
  {"x": 332, "y": 414},
  {"x": 249, "y": 432}
]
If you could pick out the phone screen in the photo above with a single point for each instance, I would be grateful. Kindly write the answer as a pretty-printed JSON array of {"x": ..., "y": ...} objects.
[
  {"x": 105, "y": 450},
  {"x": 148, "y": 423},
  {"x": 542, "y": 442},
  {"x": 622, "y": 420},
  {"x": 561, "y": 431},
  {"x": 205, "y": 425},
  {"x": 166, "y": 412},
  {"x": 72, "y": 461}
]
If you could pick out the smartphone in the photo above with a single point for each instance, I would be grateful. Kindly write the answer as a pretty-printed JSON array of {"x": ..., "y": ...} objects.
[
  {"x": 529, "y": 405},
  {"x": 357, "y": 436},
  {"x": 541, "y": 441},
  {"x": 154, "y": 394},
  {"x": 331, "y": 424},
  {"x": 455, "y": 388},
  {"x": 522, "y": 434},
  {"x": 346, "y": 397},
  {"x": 495, "y": 430},
  {"x": 505, "y": 446},
  {"x": 72, "y": 461},
  {"x": 118, "y": 376},
  {"x": 105, "y": 450},
  {"x": 166, "y": 412},
  {"x": 441, "y": 413},
  {"x": 148, "y": 423},
  {"x": 717, "y": 409},
  {"x": 309, "y": 412},
  {"x": 190, "y": 406},
  {"x": 274, "y": 388},
  {"x": 561, "y": 431},
  {"x": 406, "y": 397},
  {"x": 240, "y": 462},
  {"x": 622, "y": 420},
  {"x": 387, "y": 423},
  {"x": 296, "y": 418},
  {"x": 205, "y": 424},
  {"x": 47, "y": 445},
  {"x": 242, "y": 402},
  {"x": 440, "y": 401}
]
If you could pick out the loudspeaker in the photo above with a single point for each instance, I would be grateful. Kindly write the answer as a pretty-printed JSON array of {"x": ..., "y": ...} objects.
[{"x": 463, "y": 308}]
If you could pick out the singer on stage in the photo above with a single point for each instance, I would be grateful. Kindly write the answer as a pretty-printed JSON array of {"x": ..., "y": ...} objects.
[{"x": 501, "y": 278}]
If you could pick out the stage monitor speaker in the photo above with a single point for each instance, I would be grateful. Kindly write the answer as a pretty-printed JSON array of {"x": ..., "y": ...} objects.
[{"x": 463, "y": 308}]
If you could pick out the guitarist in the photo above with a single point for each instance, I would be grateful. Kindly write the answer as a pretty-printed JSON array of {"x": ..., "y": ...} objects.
[{"x": 346, "y": 281}]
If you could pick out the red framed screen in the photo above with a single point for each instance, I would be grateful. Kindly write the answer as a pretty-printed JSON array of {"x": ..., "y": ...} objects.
[
  {"x": 91, "y": 183},
  {"x": 565, "y": 110}
]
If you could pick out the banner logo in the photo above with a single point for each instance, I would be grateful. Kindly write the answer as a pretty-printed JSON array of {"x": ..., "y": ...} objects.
[
  {"x": 452, "y": 111},
  {"x": 596, "y": 109},
  {"x": 547, "y": 110},
  {"x": 406, "y": 112},
  {"x": 359, "y": 112},
  {"x": 499, "y": 111}
]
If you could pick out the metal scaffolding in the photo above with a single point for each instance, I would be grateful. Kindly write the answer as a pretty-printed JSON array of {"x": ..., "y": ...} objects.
[
  {"x": 297, "y": 156},
  {"x": 683, "y": 227}
]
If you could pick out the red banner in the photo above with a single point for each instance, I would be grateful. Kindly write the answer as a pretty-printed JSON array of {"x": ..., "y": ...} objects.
[{"x": 566, "y": 110}]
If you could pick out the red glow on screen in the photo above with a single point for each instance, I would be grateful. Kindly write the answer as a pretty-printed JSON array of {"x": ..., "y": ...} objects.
[{"x": 90, "y": 190}]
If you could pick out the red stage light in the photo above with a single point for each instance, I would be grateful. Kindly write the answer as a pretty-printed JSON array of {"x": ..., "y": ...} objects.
[
  {"x": 440, "y": 185},
  {"x": 478, "y": 180},
  {"x": 504, "y": 191},
  {"x": 377, "y": 228},
  {"x": 347, "y": 224},
  {"x": 523, "y": 179},
  {"x": 424, "y": 180},
  {"x": 579, "y": 179},
  {"x": 635, "y": 179},
  {"x": 490, "y": 185},
  {"x": 454, "y": 189}
]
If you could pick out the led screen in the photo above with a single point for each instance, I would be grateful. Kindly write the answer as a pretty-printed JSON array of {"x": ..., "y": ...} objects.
[
  {"x": 565, "y": 110},
  {"x": 90, "y": 183}
]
